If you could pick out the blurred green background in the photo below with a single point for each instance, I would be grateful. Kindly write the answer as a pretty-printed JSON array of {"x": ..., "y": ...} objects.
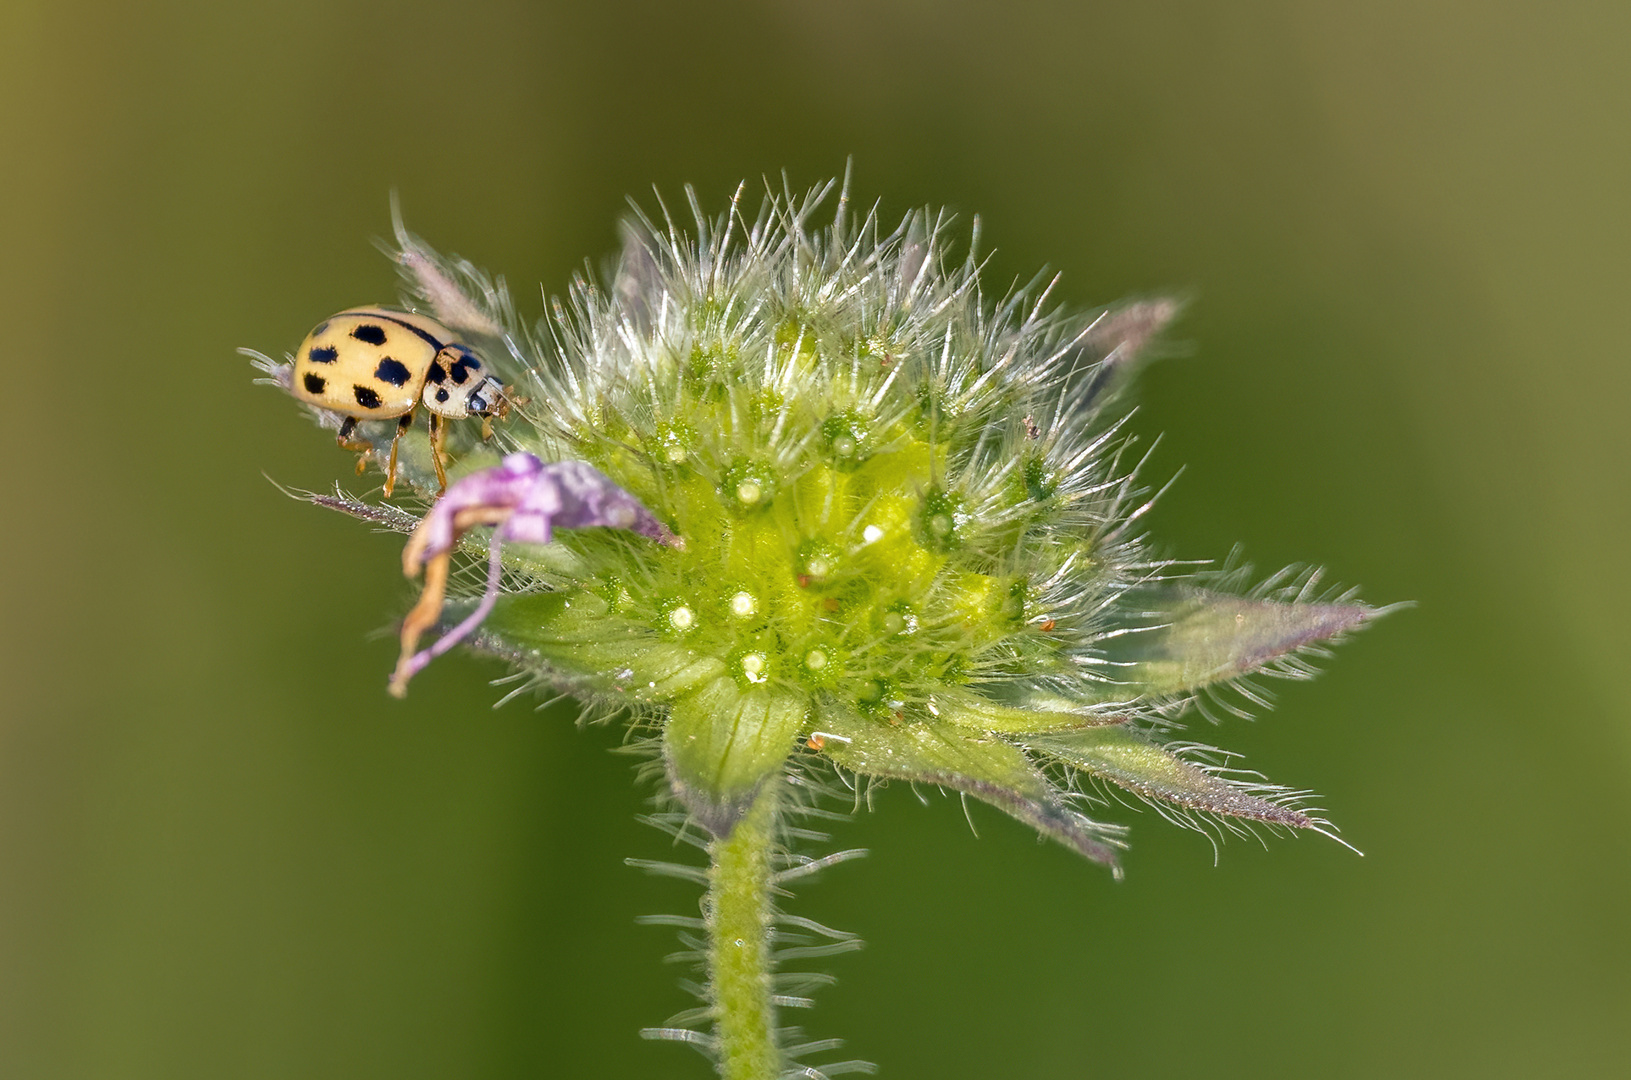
[{"x": 224, "y": 852}]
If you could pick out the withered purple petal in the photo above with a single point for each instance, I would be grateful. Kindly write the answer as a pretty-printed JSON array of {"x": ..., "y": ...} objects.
[
  {"x": 540, "y": 497},
  {"x": 501, "y": 487},
  {"x": 526, "y": 500},
  {"x": 573, "y": 495},
  {"x": 495, "y": 573}
]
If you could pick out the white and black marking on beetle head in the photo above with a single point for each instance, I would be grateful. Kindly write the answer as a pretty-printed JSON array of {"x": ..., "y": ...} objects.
[
  {"x": 461, "y": 368},
  {"x": 484, "y": 395}
]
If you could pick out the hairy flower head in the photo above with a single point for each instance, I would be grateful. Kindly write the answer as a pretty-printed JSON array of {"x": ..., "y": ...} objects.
[{"x": 888, "y": 522}]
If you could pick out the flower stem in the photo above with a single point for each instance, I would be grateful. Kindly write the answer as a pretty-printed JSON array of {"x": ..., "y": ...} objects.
[{"x": 739, "y": 914}]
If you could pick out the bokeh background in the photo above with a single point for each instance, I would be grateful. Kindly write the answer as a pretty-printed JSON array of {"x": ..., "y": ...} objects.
[{"x": 224, "y": 852}]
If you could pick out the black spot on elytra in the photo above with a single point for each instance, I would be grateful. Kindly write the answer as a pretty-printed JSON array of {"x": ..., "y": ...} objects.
[
  {"x": 392, "y": 371},
  {"x": 323, "y": 356},
  {"x": 314, "y": 383},
  {"x": 460, "y": 370},
  {"x": 441, "y": 395},
  {"x": 416, "y": 331},
  {"x": 369, "y": 332},
  {"x": 320, "y": 328},
  {"x": 367, "y": 398},
  {"x": 437, "y": 374}
]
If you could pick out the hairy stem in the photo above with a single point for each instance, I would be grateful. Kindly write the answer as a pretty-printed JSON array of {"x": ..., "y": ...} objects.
[{"x": 739, "y": 915}]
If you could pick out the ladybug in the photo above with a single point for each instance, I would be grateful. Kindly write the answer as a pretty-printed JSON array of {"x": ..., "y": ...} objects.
[{"x": 371, "y": 363}]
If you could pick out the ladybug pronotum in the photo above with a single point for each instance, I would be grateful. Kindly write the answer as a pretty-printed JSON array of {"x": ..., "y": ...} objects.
[{"x": 374, "y": 364}]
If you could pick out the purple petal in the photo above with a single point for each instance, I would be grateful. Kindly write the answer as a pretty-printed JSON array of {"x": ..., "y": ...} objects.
[
  {"x": 538, "y": 499},
  {"x": 575, "y": 495},
  {"x": 502, "y": 486},
  {"x": 527, "y": 500},
  {"x": 418, "y": 661}
]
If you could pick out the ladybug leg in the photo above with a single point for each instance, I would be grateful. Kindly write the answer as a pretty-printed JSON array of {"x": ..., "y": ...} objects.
[
  {"x": 390, "y": 467},
  {"x": 437, "y": 439},
  {"x": 499, "y": 411},
  {"x": 348, "y": 428}
]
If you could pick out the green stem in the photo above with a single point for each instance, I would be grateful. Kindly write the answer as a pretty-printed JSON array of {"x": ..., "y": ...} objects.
[{"x": 739, "y": 914}]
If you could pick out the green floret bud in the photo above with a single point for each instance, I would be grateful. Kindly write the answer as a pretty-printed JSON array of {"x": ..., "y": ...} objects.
[
  {"x": 942, "y": 522},
  {"x": 747, "y": 487}
]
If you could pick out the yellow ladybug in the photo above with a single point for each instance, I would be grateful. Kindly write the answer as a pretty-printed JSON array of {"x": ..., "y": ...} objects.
[{"x": 371, "y": 363}]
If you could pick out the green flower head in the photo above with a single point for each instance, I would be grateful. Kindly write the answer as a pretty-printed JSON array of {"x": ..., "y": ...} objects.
[{"x": 860, "y": 514}]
